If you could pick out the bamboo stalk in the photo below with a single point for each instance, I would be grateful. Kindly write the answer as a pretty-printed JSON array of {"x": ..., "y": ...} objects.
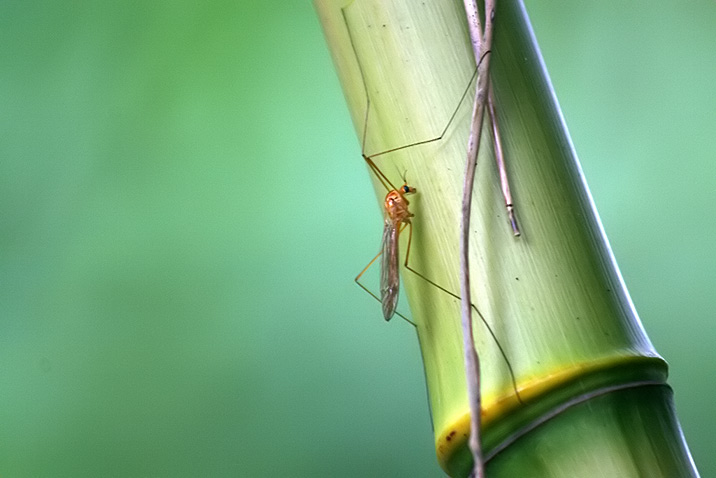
[{"x": 554, "y": 296}]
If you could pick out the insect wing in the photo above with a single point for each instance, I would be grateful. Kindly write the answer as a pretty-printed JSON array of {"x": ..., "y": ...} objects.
[{"x": 389, "y": 269}]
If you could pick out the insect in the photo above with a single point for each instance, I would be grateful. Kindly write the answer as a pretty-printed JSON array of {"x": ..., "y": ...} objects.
[{"x": 397, "y": 215}]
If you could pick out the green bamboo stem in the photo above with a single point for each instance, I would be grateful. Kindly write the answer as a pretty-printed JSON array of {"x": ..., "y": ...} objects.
[{"x": 553, "y": 296}]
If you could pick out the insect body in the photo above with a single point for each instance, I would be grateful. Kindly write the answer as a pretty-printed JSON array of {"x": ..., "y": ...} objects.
[{"x": 397, "y": 216}]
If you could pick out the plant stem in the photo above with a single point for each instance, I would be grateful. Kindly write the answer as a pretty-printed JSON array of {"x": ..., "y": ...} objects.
[
  {"x": 480, "y": 46},
  {"x": 554, "y": 298}
]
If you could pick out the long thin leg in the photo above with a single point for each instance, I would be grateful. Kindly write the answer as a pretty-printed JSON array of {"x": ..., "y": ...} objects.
[
  {"x": 482, "y": 318},
  {"x": 499, "y": 157},
  {"x": 436, "y": 138},
  {"x": 379, "y": 174},
  {"x": 369, "y": 159},
  {"x": 381, "y": 177},
  {"x": 426, "y": 141},
  {"x": 365, "y": 88},
  {"x": 496, "y": 140},
  {"x": 357, "y": 279}
]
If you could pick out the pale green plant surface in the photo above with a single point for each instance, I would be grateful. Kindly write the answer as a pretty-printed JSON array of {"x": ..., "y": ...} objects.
[{"x": 554, "y": 296}]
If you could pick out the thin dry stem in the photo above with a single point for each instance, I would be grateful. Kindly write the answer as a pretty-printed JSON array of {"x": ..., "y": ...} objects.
[
  {"x": 500, "y": 160},
  {"x": 481, "y": 46}
]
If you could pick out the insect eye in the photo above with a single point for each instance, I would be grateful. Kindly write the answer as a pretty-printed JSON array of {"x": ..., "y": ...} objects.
[{"x": 406, "y": 189}]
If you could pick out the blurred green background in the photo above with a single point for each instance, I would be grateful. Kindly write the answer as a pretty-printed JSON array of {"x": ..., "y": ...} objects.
[{"x": 183, "y": 209}]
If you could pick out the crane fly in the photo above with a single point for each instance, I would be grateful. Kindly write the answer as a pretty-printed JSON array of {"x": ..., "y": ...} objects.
[
  {"x": 397, "y": 215},
  {"x": 396, "y": 218},
  {"x": 395, "y": 206}
]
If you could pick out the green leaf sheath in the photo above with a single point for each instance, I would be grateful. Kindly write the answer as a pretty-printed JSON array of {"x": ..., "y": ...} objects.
[{"x": 592, "y": 389}]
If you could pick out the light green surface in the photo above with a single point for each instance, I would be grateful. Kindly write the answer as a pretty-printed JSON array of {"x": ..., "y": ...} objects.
[{"x": 183, "y": 209}]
